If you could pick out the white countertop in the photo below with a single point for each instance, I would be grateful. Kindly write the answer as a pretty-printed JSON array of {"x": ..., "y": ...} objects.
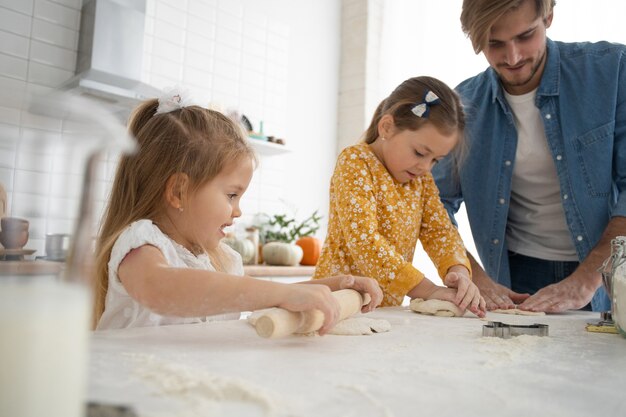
[{"x": 426, "y": 366}]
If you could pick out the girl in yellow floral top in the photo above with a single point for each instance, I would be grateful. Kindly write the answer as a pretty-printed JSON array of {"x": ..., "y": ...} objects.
[{"x": 383, "y": 199}]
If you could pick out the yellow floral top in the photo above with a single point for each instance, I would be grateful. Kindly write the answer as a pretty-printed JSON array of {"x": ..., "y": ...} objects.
[{"x": 374, "y": 224}]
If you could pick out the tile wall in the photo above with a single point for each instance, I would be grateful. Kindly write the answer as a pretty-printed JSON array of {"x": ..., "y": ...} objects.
[{"x": 225, "y": 54}]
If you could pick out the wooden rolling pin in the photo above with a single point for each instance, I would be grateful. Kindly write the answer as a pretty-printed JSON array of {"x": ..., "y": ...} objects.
[{"x": 278, "y": 322}]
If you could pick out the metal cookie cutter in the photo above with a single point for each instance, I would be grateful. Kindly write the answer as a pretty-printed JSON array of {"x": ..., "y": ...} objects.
[{"x": 506, "y": 331}]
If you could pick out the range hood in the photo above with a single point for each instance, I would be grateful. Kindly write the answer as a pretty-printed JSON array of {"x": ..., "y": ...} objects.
[{"x": 110, "y": 54}]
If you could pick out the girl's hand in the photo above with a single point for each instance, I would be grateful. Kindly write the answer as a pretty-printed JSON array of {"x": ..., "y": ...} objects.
[
  {"x": 301, "y": 297},
  {"x": 467, "y": 293},
  {"x": 363, "y": 285}
]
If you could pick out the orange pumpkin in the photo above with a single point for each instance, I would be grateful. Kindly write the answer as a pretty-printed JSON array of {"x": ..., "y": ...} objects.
[{"x": 311, "y": 248}]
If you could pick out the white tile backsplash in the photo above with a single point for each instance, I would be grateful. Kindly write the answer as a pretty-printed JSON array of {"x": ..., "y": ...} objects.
[
  {"x": 13, "y": 67},
  {"x": 32, "y": 182},
  {"x": 9, "y": 116},
  {"x": 166, "y": 30},
  {"x": 206, "y": 10},
  {"x": 12, "y": 21},
  {"x": 47, "y": 75},
  {"x": 58, "y": 14},
  {"x": 35, "y": 162},
  {"x": 52, "y": 55},
  {"x": 28, "y": 205},
  {"x": 227, "y": 55},
  {"x": 172, "y": 14},
  {"x": 13, "y": 44},
  {"x": 21, "y": 6},
  {"x": 74, "y": 4},
  {"x": 54, "y": 34}
]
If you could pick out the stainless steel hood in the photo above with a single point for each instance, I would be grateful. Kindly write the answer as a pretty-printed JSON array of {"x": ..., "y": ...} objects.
[{"x": 110, "y": 53}]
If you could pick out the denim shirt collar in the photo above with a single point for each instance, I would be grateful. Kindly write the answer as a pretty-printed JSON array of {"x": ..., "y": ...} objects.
[{"x": 550, "y": 79}]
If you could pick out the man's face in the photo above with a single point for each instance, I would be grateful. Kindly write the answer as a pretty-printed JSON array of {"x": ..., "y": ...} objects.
[{"x": 516, "y": 49}]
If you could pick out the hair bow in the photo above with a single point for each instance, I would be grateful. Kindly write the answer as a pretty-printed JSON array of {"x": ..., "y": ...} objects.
[
  {"x": 422, "y": 108},
  {"x": 174, "y": 98}
]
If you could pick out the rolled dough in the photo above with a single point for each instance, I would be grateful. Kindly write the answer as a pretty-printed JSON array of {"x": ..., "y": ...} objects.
[
  {"x": 435, "y": 307},
  {"x": 519, "y": 312},
  {"x": 357, "y": 326}
]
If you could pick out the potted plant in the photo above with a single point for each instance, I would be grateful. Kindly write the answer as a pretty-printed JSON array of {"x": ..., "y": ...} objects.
[{"x": 279, "y": 233}]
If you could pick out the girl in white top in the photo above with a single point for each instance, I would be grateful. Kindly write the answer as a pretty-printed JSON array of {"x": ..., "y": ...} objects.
[{"x": 159, "y": 255}]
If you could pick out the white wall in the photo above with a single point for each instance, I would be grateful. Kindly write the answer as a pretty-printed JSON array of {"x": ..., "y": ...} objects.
[
  {"x": 274, "y": 60},
  {"x": 425, "y": 38}
]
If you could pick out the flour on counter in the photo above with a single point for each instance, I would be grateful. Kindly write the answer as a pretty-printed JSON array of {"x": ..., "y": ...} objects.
[
  {"x": 518, "y": 312},
  {"x": 201, "y": 391},
  {"x": 435, "y": 308},
  {"x": 505, "y": 351},
  {"x": 357, "y": 326},
  {"x": 369, "y": 397}
]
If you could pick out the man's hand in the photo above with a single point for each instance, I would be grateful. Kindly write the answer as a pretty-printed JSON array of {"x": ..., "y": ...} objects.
[
  {"x": 574, "y": 292},
  {"x": 496, "y": 296}
]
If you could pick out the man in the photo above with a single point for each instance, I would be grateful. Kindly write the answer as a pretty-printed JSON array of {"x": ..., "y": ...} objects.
[{"x": 544, "y": 182}]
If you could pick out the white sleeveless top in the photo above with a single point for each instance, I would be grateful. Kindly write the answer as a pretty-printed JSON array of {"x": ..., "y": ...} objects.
[{"x": 121, "y": 310}]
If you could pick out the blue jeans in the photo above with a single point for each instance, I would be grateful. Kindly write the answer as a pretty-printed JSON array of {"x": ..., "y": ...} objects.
[{"x": 529, "y": 275}]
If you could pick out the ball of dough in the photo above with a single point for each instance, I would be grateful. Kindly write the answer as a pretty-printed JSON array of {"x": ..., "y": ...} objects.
[{"x": 435, "y": 308}]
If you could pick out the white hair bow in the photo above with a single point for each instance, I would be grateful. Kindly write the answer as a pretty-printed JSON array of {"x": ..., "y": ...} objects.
[
  {"x": 423, "y": 108},
  {"x": 173, "y": 98}
]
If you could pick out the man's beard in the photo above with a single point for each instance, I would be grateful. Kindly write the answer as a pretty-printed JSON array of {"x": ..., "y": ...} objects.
[{"x": 533, "y": 71}]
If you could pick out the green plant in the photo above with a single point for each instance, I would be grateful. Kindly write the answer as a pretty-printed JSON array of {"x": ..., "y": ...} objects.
[{"x": 282, "y": 228}]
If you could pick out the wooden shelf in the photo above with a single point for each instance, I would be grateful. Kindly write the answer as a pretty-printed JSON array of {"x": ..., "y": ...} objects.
[{"x": 268, "y": 148}]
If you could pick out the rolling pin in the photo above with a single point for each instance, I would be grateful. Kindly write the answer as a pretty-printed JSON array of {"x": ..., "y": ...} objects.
[{"x": 278, "y": 322}]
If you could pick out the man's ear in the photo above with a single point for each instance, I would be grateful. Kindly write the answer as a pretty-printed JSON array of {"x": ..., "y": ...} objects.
[
  {"x": 176, "y": 190},
  {"x": 385, "y": 126},
  {"x": 548, "y": 19}
]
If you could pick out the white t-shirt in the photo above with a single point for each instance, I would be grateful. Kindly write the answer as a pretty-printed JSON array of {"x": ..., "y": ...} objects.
[
  {"x": 536, "y": 222},
  {"x": 121, "y": 310}
]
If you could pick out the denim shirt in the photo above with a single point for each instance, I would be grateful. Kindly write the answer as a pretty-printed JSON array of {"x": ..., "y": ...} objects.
[{"x": 582, "y": 101}]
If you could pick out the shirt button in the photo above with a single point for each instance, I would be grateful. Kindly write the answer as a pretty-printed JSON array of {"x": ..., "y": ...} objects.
[
  {"x": 501, "y": 201},
  {"x": 565, "y": 196},
  {"x": 559, "y": 157},
  {"x": 579, "y": 238},
  {"x": 507, "y": 163},
  {"x": 496, "y": 241},
  {"x": 548, "y": 116}
]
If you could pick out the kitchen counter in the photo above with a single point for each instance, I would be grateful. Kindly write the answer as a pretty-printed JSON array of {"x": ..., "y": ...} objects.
[
  {"x": 429, "y": 366},
  {"x": 36, "y": 267}
]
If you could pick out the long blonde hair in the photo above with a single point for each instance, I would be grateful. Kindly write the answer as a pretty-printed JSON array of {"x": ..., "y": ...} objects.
[{"x": 194, "y": 141}]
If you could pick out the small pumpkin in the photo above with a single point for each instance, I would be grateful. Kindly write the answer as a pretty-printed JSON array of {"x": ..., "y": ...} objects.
[
  {"x": 280, "y": 253},
  {"x": 311, "y": 249},
  {"x": 245, "y": 248}
]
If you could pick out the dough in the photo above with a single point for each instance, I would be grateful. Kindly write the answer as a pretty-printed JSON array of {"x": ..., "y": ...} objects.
[
  {"x": 435, "y": 308},
  {"x": 357, "y": 326},
  {"x": 519, "y": 312}
]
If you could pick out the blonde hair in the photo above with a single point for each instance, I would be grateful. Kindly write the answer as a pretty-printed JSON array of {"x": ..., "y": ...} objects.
[
  {"x": 478, "y": 16},
  {"x": 447, "y": 115},
  {"x": 194, "y": 141}
]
